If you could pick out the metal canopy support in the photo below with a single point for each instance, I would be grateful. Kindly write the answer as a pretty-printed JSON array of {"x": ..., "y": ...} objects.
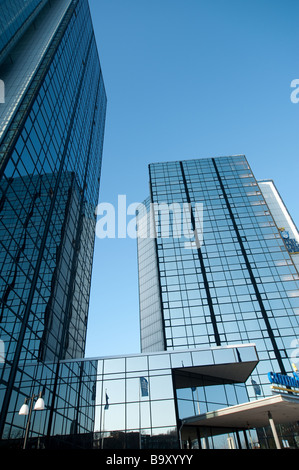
[{"x": 273, "y": 428}]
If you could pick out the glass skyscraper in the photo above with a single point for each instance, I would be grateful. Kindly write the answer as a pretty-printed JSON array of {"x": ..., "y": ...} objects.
[
  {"x": 51, "y": 140},
  {"x": 237, "y": 283},
  {"x": 218, "y": 305}
]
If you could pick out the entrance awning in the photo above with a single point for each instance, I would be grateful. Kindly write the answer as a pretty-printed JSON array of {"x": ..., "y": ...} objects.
[{"x": 255, "y": 414}]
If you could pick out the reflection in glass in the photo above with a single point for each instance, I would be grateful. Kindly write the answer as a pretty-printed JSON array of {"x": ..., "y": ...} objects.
[
  {"x": 203, "y": 357},
  {"x": 224, "y": 355},
  {"x": 133, "y": 416},
  {"x": 113, "y": 418},
  {"x": 161, "y": 387},
  {"x": 163, "y": 413},
  {"x": 159, "y": 361},
  {"x": 181, "y": 359},
  {"x": 115, "y": 390},
  {"x": 49, "y": 182},
  {"x": 133, "y": 389},
  {"x": 138, "y": 363},
  {"x": 114, "y": 365}
]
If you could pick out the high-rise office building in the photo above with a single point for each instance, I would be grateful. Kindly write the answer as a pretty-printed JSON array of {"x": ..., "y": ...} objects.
[
  {"x": 229, "y": 280},
  {"x": 237, "y": 282},
  {"x": 51, "y": 140}
]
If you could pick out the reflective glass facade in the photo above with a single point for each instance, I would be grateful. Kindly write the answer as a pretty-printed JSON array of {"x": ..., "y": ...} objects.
[
  {"x": 282, "y": 218},
  {"x": 50, "y": 165},
  {"x": 22, "y": 71},
  {"x": 152, "y": 336},
  {"x": 16, "y": 17},
  {"x": 203, "y": 306},
  {"x": 49, "y": 336},
  {"x": 130, "y": 402},
  {"x": 239, "y": 285}
]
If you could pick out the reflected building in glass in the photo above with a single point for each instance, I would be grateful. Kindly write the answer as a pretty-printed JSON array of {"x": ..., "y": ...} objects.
[
  {"x": 237, "y": 282},
  {"x": 16, "y": 17},
  {"x": 137, "y": 401},
  {"x": 218, "y": 306},
  {"x": 51, "y": 139}
]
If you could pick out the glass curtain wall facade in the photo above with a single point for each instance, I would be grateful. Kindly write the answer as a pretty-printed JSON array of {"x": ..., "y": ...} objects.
[
  {"x": 16, "y": 17},
  {"x": 282, "y": 218},
  {"x": 51, "y": 145},
  {"x": 238, "y": 284},
  {"x": 235, "y": 283},
  {"x": 152, "y": 335},
  {"x": 131, "y": 402}
]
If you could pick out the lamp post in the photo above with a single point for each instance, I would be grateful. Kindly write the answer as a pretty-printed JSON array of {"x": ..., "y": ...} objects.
[{"x": 27, "y": 411}]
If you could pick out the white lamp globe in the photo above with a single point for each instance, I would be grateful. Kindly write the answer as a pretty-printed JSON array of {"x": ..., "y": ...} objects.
[
  {"x": 39, "y": 405},
  {"x": 24, "y": 411}
]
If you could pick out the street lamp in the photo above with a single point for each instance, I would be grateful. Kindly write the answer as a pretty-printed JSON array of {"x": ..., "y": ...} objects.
[{"x": 26, "y": 410}]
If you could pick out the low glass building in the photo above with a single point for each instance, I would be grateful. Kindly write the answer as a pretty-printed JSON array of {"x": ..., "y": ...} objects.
[{"x": 134, "y": 402}]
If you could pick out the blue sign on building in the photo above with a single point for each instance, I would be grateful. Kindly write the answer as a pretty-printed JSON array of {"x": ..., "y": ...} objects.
[
  {"x": 284, "y": 380},
  {"x": 291, "y": 244}
]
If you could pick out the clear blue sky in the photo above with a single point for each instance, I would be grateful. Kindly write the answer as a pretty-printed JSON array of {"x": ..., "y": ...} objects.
[{"x": 187, "y": 79}]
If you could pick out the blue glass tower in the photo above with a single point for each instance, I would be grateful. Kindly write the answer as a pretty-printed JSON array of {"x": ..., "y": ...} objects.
[
  {"x": 207, "y": 304},
  {"x": 51, "y": 141},
  {"x": 238, "y": 284}
]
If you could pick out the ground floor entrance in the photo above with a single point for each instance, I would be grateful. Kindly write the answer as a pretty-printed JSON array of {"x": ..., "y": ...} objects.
[{"x": 268, "y": 423}]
